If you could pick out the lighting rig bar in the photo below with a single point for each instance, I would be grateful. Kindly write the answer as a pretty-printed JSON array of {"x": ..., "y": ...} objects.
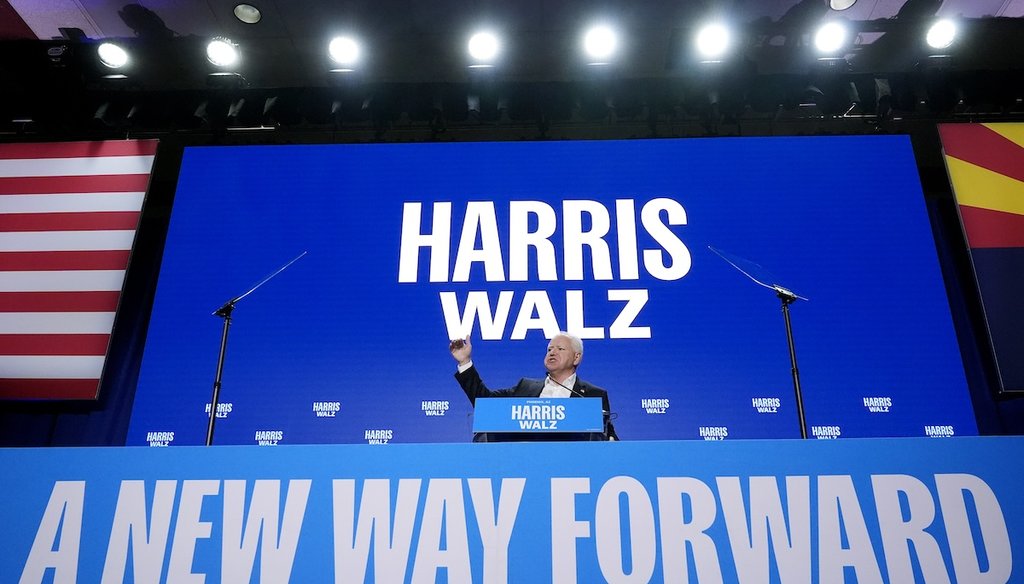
[{"x": 758, "y": 76}]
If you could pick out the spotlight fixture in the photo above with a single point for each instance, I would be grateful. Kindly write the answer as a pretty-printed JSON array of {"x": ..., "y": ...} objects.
[
  {"x": 941, "y": 34},
  {"x": 841, "y": 4},
  {"x": 713, "y": 41},
  {"x": 483, "y": 48},
  {"x": 830, "y": 38},
  {"x": 225, "y": 80},
  {"x": 102, "y": 115},
  {"x": 344, "y": 51},
  {"x": 247, "y": 13},
  {"x": 112, "y": 56},
  {"x": 600, "y": 44},
  {"x": 222, "y": 52}
]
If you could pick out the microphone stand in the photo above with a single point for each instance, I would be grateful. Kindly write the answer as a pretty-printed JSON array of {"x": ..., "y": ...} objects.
[
  {"x": 605, "y": 414},
  {"x": 787, "y": 297},
  {"x": 225, "y": 313}
]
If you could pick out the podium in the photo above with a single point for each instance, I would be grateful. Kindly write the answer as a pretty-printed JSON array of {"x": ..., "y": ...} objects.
[{"x": 530, "y": 419}]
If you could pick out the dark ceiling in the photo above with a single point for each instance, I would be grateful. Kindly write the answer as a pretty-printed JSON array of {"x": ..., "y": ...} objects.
[
  {"x": 416, "y": 40},
  {"x": 294, "y": 21},
  {"x": 413, "y": 48}
]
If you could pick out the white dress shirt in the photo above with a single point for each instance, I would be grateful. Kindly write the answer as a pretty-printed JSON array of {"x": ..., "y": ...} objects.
[{"x": 553, "y": 389}]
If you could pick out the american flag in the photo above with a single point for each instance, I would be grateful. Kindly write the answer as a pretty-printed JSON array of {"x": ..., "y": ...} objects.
[{"x": 68, "y": 217}]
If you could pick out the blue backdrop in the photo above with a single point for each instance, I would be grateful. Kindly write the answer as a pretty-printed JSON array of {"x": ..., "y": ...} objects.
[{"x": 347, "y": 345}]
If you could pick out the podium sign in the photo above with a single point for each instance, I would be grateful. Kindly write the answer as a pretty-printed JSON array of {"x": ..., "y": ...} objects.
[{"x": 537, "y": 414}]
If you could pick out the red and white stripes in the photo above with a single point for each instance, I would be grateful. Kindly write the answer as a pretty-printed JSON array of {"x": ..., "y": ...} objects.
[{"x": 68, "y": 216}]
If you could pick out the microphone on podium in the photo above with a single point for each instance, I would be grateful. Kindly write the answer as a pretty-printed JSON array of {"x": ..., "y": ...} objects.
[{"x": 571, "y": 390}]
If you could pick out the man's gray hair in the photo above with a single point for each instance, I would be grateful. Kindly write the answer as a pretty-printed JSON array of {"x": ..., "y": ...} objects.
[{"x": 577, "y": 343}]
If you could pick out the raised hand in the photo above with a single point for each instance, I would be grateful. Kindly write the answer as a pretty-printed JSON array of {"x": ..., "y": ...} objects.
[{"x": 461, "y": 350}]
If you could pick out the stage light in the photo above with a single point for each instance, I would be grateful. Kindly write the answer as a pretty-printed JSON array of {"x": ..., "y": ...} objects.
[
  {"x": 112, "y": 55},
  {"x": 713, "y": 41},
  {"x": 841, "y": 4},
  {"x": 222, "y": 52},
  {"x": 830, "y": 38},
  {"x": 600, "y": 43},
  {"x": 102, "y": 115},
  {"x": 483, "y": 48},
  {"x": 234, "y": 115},
  {"x": 344, "y": 51},
  {"x": 941, "y": 34},
  {"x": 247, "y": 13}
]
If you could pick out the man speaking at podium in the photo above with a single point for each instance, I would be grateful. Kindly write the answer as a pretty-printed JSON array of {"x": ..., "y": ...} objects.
[{"x": 561, "y": 360}]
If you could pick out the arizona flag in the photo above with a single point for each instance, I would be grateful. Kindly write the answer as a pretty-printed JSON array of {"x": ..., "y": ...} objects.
[
  {"x": 986, "y": 166},
  {"x": 68, "y": 217}
]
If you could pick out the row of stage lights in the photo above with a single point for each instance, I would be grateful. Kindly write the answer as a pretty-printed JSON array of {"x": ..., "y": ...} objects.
[{"x": 600, "y": 44}]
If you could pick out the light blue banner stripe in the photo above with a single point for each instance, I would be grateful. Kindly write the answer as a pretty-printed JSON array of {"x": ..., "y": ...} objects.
[{"x": 880, "y": 510}]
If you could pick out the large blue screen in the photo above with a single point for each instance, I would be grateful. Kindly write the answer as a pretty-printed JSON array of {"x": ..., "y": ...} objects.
[{"x": 410, "y": 245}]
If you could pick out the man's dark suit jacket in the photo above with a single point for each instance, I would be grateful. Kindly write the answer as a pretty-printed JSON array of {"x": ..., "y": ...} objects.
[{"x": 474, "y": 387}]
